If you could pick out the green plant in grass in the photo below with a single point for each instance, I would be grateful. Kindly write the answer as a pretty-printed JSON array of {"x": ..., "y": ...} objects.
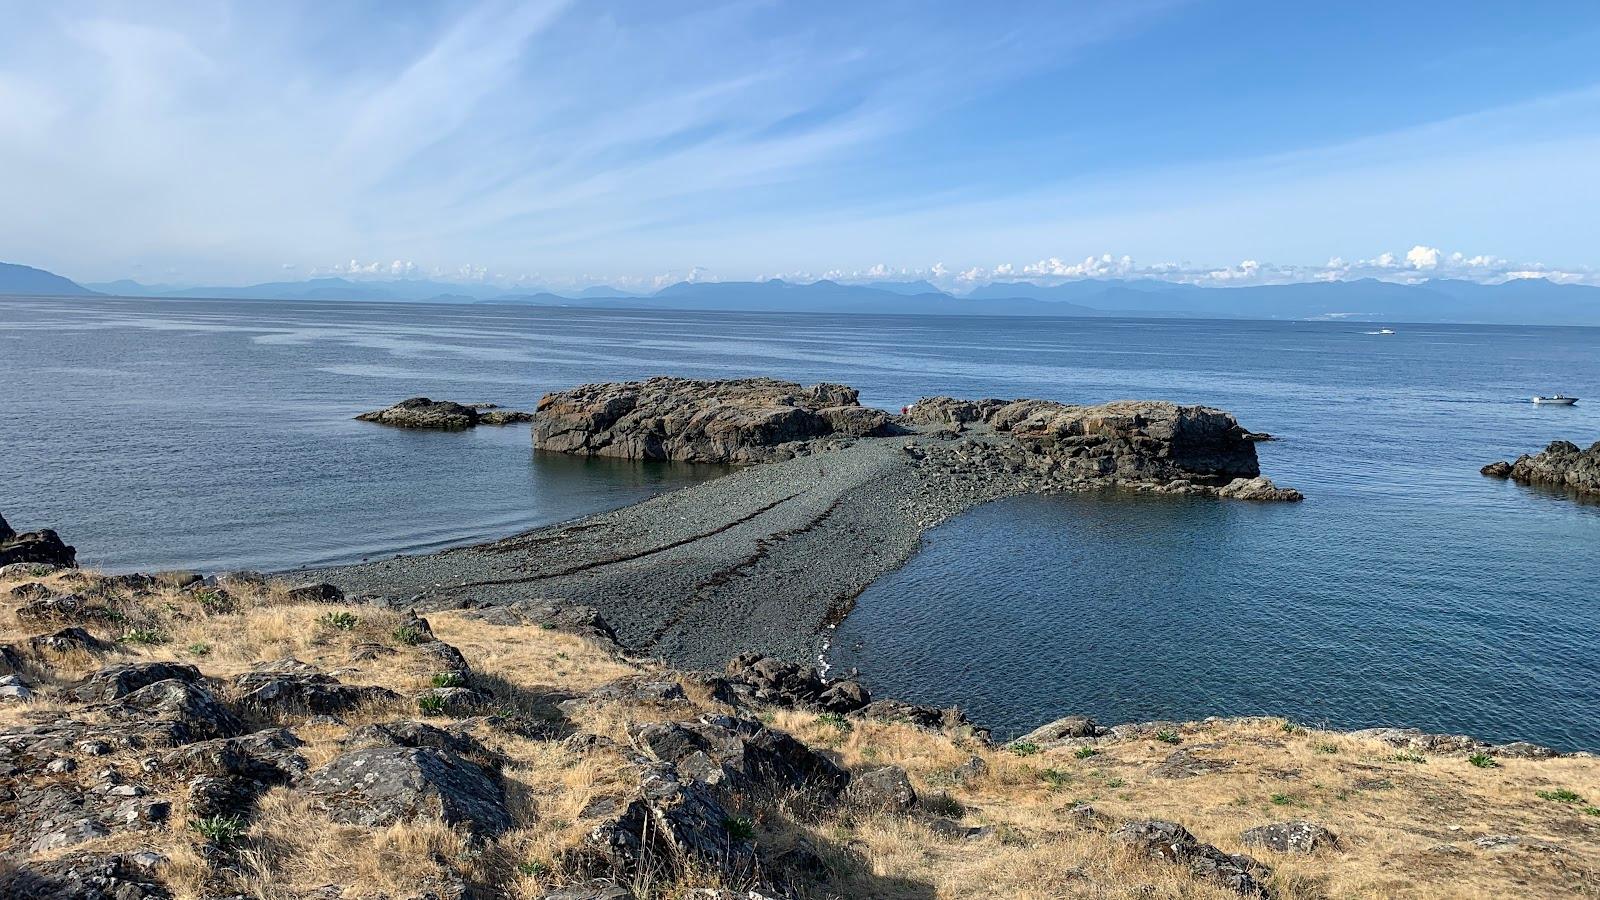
[
  {"x": 1409, "y": 757},
  {"x": 213, "y": 600},
  {"x": 1085, "y": 752},
  {"x": 342, "y": 621},
  {"x": 1483, "y": 761},
  {"x": 1559, "y": 795},
  {"x": 1168, "y": 736},
  {"x": 408, "y": 635},
  {"x": 447, "y": 680},
  {"x": 534, "y": 868},
  {"x": 431, "y": 705},
  {"x": 836, "y": 721},
  {"x": 223, "y": 831},
  {"x": 1023, "y": 748},
  {"x": 1056, "y": 778},
  {"x": 740, "y": 828},
  {"x": 145, "y": 636}
]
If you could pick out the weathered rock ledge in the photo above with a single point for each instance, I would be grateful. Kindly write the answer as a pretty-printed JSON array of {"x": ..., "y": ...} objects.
[{"x": 1561, "y": 464}]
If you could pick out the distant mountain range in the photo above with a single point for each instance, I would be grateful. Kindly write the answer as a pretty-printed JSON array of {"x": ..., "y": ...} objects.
[
  {"x": 1524, "y": 301},
  {"x": 15, "y": 279}
]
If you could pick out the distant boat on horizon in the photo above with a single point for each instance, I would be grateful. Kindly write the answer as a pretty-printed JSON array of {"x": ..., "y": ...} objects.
[
  {"x": 1382, "y": 331},
  {"x": 1555, "y": 400}
]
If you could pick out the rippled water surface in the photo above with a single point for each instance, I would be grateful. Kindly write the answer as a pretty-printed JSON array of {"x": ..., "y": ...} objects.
[{"x": 1406, "y": 589}]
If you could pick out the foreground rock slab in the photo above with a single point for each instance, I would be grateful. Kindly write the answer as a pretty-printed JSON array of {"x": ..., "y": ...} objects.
[{"x": 385, "y": 785}]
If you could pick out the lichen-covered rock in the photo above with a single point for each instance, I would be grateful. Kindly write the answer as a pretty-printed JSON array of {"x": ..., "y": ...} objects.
[
  {"x": 85, "y": 877},
  {"x": 676, "y": 826},
  {"x": 578, "y": 619},
  {"x": 953, "y": 411},
  {"x": 1143, "y": 439},
  {"x": 781, "y": 683},
  {"x": 883, "y": 788},
  {"x": 1173, "y": 843},
  {"x": 950, "y": 720},
  {"x": 504, "y": 417},
  {"x": 1291, "y": 837},
  {"x": 1259, "y": 488},
  {"x": 1062, "y": 729},
  {"x": 421, "y": 412},
  {"x": 226, "y": 775},
  {"x": 42, "y": 547},
  {"x": 189, "y": 711},
  {"x": 114, "y": 682},
  {"x": 734, "y": 421},
  {"x": 641, "y": 689},
  {"x": 13, "y": 689},
  {"x": 63, "y": 608},
  {"x": 70, "y": 640},
  {"x": 315, "y": 592},
  {"x": 415, "y": 734},
  {"x": 281, "y": 690},
  {"x": 385, "y": 785},
  {"x": 744, "y": 753}
]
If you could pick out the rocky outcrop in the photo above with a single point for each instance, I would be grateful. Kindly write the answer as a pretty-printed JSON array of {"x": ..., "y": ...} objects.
[
  {"x": 421, "y": 412},
  {"x": 1172, "y": 842},
  {"x": 42, "y": 547},
  {"x": 443, "y": 415},
  {"x": 1561, "y": 464},
  {"x": 1291, "y": 837},
  {"x": 385, "y": 785},
  {"x": 736, "y": 421},
  {"x": 694, "y": 780},
  {"x": 1150, "y": 444},
  {"x": 289, "y": 687},
  {"x": 1128, "y": 439},
  {"x": 1259, "y": 488}
]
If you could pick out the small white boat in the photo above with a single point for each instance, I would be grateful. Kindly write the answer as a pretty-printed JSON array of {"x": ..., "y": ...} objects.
[
  {"x": 1557, "y": 400},
  {"x": 1386, "y": 331}
]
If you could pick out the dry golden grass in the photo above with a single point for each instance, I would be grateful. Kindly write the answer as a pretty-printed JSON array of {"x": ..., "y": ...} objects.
[{"x": 1393, "y": 815}]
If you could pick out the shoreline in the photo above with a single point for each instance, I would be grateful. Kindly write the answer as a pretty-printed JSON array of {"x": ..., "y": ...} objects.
[{"x": 765, "y": 558}]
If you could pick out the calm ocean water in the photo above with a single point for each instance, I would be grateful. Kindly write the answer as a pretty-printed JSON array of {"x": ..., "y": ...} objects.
[{"x": 1406, "y": 590}]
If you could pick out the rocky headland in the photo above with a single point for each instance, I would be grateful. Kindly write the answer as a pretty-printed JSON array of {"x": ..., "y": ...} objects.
[
  {"x": 766, "y": 557},
  {"x": 1561, "y": 464},
  {"x": 443, "y": 415},
  {"x": 230, "y": 736}
]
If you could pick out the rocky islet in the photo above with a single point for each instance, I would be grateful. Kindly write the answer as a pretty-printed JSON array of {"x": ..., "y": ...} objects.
[{"x": 1561, "y": 464}]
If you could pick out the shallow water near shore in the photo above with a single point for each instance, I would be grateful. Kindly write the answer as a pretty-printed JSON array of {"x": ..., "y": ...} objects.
[{"x": 1406, "y": 590}]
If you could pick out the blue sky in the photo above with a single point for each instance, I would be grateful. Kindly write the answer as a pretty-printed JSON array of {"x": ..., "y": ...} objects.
[{"x": 643, "y": 142}]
